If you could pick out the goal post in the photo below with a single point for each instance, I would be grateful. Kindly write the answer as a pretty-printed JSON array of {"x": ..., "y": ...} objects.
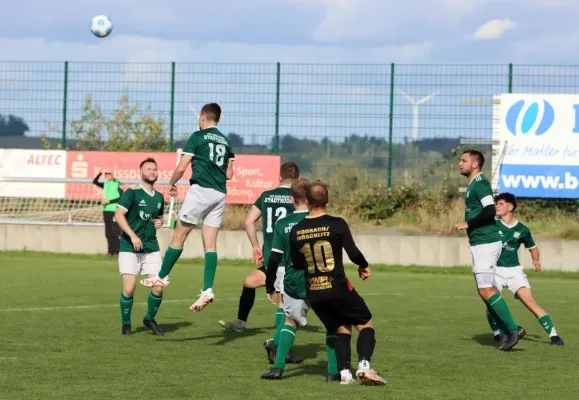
[{"x": 42, "y": 203}]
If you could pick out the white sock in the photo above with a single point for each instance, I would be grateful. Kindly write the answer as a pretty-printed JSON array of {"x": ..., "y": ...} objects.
[
  {"x": 553, "y": 332},
  {"x": 364, "y": 364},
  {"x": 497, "y": 332},
  {"x": 346, "y": 375}
]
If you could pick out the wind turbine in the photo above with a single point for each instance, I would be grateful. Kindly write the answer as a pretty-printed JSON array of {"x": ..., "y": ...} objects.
[{"x": 415, "y": 105}]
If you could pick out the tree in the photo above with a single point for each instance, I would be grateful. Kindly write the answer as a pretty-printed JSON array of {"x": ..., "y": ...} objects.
[
  {"x": 12, "y": 126},
  {"x": 126, "y": 129}
]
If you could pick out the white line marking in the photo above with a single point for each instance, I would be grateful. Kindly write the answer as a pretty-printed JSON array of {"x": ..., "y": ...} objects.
[{"x": 110, "y": 305}]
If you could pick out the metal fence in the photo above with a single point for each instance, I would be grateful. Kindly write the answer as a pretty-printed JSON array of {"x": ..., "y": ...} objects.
[{"x": 393, "y": 123}]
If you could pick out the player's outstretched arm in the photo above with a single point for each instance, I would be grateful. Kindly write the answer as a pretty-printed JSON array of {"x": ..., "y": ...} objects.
[
  {"x": 96, "y": 181},
  {"x": 349, "y": 245}
]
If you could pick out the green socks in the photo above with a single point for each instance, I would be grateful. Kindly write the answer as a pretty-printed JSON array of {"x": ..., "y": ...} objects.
[
  {"x": 279, "y": 320},
  {"x": 171, "y": 257},
  {"x": 126, "y": 307},
  {"x": 153, "y": 304},
  {"x": 497, "y": 326},
  {"x": 499, "y": 306},
  {"x": 287, "y": 338},
  {"x": 209, "y": 269},
  {"x": 547, "y": 325},
  {"x": 331, "y": 352}
]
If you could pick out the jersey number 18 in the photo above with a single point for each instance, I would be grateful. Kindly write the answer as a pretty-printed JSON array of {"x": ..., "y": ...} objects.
[{"x": 217, "y": 153}]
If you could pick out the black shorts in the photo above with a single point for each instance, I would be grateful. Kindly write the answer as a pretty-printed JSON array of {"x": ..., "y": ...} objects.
[
  {"x": 262, "y": 269},
  {"x": 347, "y": 309}
]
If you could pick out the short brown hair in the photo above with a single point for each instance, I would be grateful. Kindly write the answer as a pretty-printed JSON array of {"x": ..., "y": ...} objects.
[
  {"x": 289, "y": 170},
  {"x": 317, "y": 194},
  {"x": 299, "y": 189},
  {"x": 478, "y": 155},
  {"x": 507, "y": 198},
  {"x": 147, "y": 160},
  {"x": 212, "y": 111}
]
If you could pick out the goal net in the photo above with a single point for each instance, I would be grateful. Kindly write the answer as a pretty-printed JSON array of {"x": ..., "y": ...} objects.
[{"x": 40, "y": 200}]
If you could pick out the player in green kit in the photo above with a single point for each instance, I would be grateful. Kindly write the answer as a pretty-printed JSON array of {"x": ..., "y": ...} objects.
[
  {"x": 291, "y": 284},
  {"x": 270, "y": 207},
  {"x": 211, "y": 157},
  {"x": 485, "y": 241},
  {"x": 510, "y": 272},
  {"x": 139, "y": 214}
]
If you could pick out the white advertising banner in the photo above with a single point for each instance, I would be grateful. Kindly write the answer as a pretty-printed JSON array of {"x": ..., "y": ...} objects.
[
  {"x": 538, "y": 145},
  {"x": 44, "y": 164}
]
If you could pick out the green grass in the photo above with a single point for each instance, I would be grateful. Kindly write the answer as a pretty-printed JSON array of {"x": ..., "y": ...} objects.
[{"x": 61, "y": 337}]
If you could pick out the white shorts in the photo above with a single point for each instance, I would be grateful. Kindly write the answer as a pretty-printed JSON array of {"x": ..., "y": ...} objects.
[
  {"x": 203, "y": 205},
  {"x": 140, "y": 263},
  {"x": 484, "y": 262},
  {"x": 278, "y": 285},
  {"x": 512, "y": 278},
  {"x": 296, "y": 309}
]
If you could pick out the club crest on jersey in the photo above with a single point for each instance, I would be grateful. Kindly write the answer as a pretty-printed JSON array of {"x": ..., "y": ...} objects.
[
  {"x": 517, "y": 235},
  {"x": 144, "y": 216},
  {"x": 158, "y": 206}
]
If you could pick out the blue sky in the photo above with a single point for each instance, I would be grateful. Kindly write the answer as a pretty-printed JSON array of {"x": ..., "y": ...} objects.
[
  {"x": 339, "y": 31},
  {"x": 316, "y": 101}
]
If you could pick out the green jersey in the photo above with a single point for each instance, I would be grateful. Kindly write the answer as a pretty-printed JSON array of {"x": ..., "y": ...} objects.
[
  {"x": 273, "y": 204},
  {"x": 211, "y": 152},
  {"x": 294, "y": 282},
  {"x": 513, "y": 237},
  {"x": 479, "y": 194},
  {"x": 142, "y": 209}
]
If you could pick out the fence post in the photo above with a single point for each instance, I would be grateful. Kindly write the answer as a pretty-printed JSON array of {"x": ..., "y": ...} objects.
[
  {"x": 510, "y": 77},
  {"x": 277, "y": 88},
  {"x": 64, "y": 107},
  {"x": 390, "y": 125},
  {"x": 172, "y": 108}
]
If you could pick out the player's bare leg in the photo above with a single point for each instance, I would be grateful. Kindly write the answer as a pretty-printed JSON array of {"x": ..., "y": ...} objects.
[
  {"x": 365, "y": 346},
  {"x": 251, "y": 282},
  {"x": 209, "y": 236},
  {"x": 524, "y": 294},
  {"x": 129, "y": 283},
  {"x": 180, "y": 234}
]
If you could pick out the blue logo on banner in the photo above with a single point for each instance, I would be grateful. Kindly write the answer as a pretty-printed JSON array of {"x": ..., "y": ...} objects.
[{"x": 529, "y": 118}]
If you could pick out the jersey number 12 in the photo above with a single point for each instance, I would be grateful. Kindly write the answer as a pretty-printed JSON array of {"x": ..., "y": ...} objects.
[
  {"x": 217, "y": 153},
  {"x": 279, "y": 213}
]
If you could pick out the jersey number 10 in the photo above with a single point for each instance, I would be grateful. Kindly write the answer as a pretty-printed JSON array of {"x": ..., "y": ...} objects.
[
  {"x": 319, "y": 255},
  {"x": 217, "y": 153}
]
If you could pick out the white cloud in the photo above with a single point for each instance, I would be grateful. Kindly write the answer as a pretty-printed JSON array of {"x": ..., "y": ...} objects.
[
  {"x": 142, "y": 49},
  {"x": 494, "y": 29}
]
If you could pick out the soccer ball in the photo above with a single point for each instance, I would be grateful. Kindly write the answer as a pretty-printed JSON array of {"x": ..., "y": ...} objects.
[{"x": 101, "y": 26}]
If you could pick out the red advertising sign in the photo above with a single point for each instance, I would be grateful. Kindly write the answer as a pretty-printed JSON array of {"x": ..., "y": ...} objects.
[{"x": 252, "y": 174}]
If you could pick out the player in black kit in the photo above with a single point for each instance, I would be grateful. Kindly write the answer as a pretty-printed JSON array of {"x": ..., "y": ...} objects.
[{"x": 316, "y": 246}]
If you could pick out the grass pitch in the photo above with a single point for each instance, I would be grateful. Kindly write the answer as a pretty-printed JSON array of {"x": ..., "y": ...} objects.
[{"x": 60, "y": 337}]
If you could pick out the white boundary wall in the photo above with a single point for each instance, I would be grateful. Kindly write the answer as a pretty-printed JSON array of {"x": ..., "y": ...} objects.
[{"x": 557, "y": 255}]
